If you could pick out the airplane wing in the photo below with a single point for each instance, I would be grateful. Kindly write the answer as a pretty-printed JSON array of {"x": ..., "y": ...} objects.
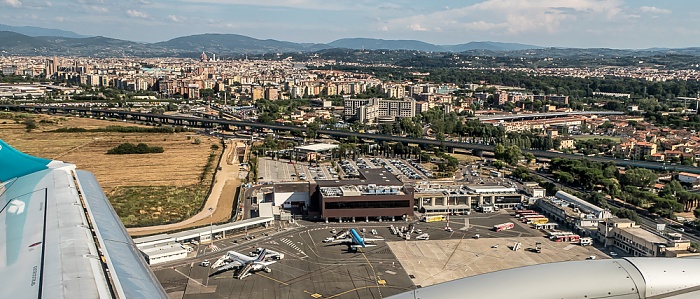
[
  {"x": 642, "y": 278},
  {"x": 372, "y": 240},
  {"x": 362, "y": 246},
  {"x": 60, "y": 237},
  {"x": 344, "y": 240}
]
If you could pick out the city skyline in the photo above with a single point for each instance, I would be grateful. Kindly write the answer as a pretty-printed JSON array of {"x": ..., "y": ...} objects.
[{"x": 568, "y": 23}]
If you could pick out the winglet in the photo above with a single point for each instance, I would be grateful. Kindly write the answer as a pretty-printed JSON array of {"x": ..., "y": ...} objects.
[{"x": 14, "y": 163}]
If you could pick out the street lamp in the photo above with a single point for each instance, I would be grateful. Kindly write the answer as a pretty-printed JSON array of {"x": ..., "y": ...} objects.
[{"x": 211, "y": 227}]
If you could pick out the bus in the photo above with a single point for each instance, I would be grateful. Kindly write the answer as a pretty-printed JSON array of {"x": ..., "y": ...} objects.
[
  {"x": 566, "y": 238},
  {"x": 522, "y": 212},
  {"x": 435, "y": 218},
  {"x": 532, "y": 218},
  {"x": 538, "y": 221}
]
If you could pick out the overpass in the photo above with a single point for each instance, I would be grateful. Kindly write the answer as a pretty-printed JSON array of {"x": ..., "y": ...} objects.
[
  {"x": 531, "y": 116},
  {"x": 228, "y": 124}
]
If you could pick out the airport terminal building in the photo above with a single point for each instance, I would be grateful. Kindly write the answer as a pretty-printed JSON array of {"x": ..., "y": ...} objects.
[
  {"x": 375, "y": 195},
  {"x": 461, "y": 199}
]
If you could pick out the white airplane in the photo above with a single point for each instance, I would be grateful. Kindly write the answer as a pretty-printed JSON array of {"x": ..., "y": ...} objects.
[
  {"x": 244, "y": 264},
  {"x": 60, "y": 237},
  {"x": 354, "y": 240}
]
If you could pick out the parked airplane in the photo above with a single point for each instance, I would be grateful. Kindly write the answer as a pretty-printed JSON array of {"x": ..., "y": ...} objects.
[
  {"x": 354, "y": 240},
  {"x": 60, "y": 238},
  {"x": 244, "y": 264}
]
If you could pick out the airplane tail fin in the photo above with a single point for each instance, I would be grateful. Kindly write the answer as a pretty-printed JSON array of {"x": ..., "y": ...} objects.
[
  {"x": 261, "y": 257},
  {"x": 14, "y": 163}
]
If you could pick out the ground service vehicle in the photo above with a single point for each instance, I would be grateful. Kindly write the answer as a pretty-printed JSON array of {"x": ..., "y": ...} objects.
[
  {"x": 435, "y": 218},
  {"x": 503, "y": 226},
  {"x": 538, "y": 220}
]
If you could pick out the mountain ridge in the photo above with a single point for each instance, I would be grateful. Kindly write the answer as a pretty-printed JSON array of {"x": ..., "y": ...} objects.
[
  {"x": 40, "y": 31},
  {"x": 236, "y": 44}
]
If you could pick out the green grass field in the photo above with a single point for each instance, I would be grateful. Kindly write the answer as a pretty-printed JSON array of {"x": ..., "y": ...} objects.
[{"x": 145, "y": 206}]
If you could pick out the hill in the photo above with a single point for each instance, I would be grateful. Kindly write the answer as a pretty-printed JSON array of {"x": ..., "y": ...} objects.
[
  {"x": 39, "y": 31},
  {"x": 382, "y": 44},
  {"x": 233, "y": 44}
]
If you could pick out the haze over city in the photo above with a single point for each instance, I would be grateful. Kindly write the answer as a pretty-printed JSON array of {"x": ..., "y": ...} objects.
[{"x": 570, "y": 23}]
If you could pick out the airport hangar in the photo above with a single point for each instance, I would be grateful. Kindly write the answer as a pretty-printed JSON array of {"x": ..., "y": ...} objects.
[{"x": 375, "y": 195}]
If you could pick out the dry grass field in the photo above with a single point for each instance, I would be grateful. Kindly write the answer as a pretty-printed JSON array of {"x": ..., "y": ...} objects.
[{"x": 144, "y": 189}]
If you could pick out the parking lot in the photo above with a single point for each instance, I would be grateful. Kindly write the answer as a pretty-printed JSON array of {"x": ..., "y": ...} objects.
[{"x": 275, "y": 171}]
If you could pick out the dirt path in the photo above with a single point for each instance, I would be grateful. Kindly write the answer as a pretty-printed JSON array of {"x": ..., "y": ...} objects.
[{"x": 220, "y": 199}]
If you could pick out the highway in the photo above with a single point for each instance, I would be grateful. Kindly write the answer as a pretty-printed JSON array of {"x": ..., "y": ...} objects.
[{"x": 204, "y": 122}]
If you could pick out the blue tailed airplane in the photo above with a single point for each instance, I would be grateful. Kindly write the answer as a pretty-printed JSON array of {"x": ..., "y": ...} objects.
[{"x": 354, "y": 240}]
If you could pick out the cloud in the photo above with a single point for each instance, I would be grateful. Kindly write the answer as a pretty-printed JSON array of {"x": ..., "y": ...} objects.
[
  {"x": 97, "y": 9},
  {"x": 513, "y": 16},
  {"x": 654, "y": 10},
  {"x": 137, "y": 14},
  {"x": 12, "y": 3},
  {"x": 417, "y": 27},
  {"x": 337, "y": 5},
  {"x": 176, "y": 19}
]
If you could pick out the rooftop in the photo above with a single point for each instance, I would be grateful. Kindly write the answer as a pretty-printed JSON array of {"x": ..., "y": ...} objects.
[
  {"x": 645, "y": 235},
  {"x": 490, "y": 189},
  {"x": 377, "y": 176},
  {"x": 353, "y": 190},
  {"x": 318, "y": 147}
]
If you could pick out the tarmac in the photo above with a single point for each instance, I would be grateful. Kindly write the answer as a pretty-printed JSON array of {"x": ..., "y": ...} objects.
[{"x": 312, "y": 269}]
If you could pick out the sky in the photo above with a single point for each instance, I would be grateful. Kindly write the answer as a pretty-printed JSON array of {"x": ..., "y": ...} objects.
[{"x": 628, "y": 24}]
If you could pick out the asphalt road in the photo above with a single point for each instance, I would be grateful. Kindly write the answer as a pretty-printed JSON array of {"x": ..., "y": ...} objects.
[{"x": 195, "y": 121}]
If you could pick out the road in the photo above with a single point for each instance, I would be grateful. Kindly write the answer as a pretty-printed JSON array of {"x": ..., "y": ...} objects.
[
  {"x": 195, "y": 121},
  {"x": 220, "y": 198}
]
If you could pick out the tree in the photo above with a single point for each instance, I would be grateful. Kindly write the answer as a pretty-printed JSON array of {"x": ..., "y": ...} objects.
[
  {"x": 564, "y": 177},
  {"x": 639, "y": 177},
  {"x": 499, "y": 151},
  {"x": 629, "y": 214},
  {"x": 512, "y": 155},
  {"x": 529, "y": 157},
  {"x": 312, "y": 131},
  {"x": 30, "y": 124}
]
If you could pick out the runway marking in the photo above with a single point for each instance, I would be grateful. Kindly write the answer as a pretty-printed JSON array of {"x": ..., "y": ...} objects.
[
  {"x": 190, "y": 278},
  {"x": 350, "y": 291},
  {"x": 273, "y": 279},
  {"x": 314, "y": 295},
  {"x": 453, "y": 252},
  {"x": 376, "y": 278}
]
